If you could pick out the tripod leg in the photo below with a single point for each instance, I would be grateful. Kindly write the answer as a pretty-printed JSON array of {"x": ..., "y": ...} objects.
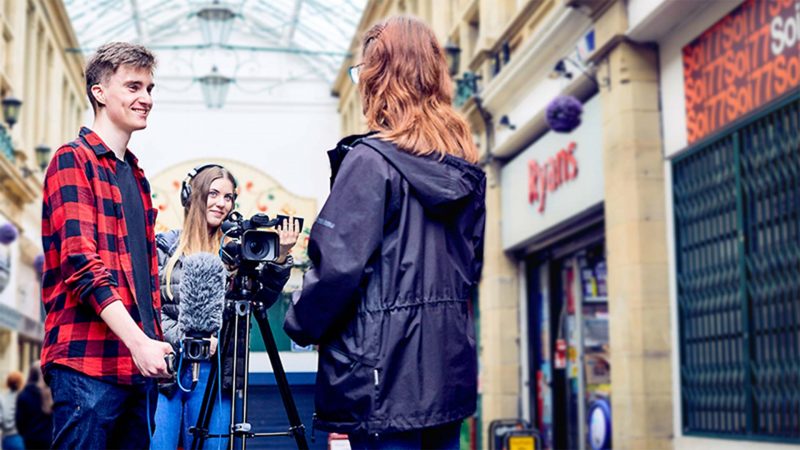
[
  {"x": 207, "y": 406},
  {"x": 246, "y": 371},
  {"x": 296, "y": 425}
]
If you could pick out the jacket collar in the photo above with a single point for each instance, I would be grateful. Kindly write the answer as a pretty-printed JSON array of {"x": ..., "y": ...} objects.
[{"x": 100, "y": 148}]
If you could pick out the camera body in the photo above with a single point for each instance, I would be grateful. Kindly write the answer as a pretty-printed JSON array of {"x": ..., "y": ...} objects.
[{"x": 249, "y": 244}]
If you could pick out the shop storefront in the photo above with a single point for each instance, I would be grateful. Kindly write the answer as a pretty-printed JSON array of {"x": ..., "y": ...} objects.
[
  {"x": 731, "y": 92},
  {"x": 21, "y": 329},
  {"x": 552, "y": 195}
]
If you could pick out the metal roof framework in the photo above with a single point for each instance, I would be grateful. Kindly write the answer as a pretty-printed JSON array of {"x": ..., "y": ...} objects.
[{"x": 318, "y": 32}]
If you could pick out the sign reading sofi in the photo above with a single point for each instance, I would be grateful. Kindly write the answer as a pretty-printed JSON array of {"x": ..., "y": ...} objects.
[
  {"x": 748, "y": 58},
  {"x": 553, "y": 180}
]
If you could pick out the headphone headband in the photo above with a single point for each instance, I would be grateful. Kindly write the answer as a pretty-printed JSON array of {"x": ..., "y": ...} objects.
[{"x": 186, "y": 186}]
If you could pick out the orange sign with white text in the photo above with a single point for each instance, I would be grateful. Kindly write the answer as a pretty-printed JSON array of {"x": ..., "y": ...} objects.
[{"x": 745, "y": 60}]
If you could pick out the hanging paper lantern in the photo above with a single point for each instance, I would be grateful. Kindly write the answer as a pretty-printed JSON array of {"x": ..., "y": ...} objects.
[
  {"x": 563, "y": 114},
  {"x": 8, "y": 233}
]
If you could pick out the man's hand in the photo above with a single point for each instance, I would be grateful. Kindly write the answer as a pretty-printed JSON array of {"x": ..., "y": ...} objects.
[
  {"x": 288, "y": 232},
  {"x": 148, "y": 355}
]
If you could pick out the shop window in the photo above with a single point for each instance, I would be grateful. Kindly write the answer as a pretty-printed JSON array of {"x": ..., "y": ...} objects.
[{"x": 737, "y": 240}]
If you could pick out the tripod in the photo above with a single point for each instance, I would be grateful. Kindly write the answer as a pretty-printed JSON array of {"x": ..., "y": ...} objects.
[{"x": 239, "y": 308}]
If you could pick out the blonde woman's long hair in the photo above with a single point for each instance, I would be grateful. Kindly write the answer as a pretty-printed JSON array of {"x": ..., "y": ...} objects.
[{"x": 195, "y": 237}]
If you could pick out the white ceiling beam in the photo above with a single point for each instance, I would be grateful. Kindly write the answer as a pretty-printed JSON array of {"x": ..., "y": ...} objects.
[
  {"x": 288, "y": 36},
  {"x": 141, "y": 30}
]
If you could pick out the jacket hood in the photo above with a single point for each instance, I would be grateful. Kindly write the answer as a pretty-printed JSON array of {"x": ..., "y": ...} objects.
[
  {"x": 168, "y": 240},
  {"x": 442, "y": 186}
]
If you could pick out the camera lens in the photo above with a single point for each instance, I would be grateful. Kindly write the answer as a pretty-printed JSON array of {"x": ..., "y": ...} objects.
[
  {"x": 256, "y": 248},
  {"x": 259, "y": 245}
]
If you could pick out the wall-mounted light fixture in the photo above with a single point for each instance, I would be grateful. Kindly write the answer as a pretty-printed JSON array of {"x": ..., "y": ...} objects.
[
  {"x": 506, "y": 122},
  {"x": 42, "y": 156},
  {"x": 11, "y": 107},
  {"x": 560, "y": 70},
  {"x": 452, "y": 54}
]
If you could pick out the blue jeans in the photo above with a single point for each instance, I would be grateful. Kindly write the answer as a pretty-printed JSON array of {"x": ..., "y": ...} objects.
[
  {"x": 89, "y": 413},
  {"x": 175, "y": 415},
  {"x": 13, "y": 442},
  {"x": 442, "y": 437}
]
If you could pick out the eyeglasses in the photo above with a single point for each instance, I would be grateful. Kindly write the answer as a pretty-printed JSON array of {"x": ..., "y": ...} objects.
[{"x": 354, "y": 72}]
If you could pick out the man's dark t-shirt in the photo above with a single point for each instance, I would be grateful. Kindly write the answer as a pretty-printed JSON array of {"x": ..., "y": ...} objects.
[{"x": 137, "y": 243}]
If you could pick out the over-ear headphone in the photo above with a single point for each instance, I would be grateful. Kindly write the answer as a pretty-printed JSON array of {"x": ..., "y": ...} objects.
[{"x": 186, "y": 186}]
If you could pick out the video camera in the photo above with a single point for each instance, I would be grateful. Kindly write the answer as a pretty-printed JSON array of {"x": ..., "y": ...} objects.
[
  {"x": 237, "y": 299},
  {"x": 247, "y": 242}
]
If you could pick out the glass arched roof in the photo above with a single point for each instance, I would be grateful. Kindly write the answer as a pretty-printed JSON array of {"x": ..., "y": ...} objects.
[{"x": 319, "y": 32}]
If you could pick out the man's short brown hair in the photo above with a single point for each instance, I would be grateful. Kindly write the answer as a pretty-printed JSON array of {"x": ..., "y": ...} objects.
[{"x": 109, "y": 57}]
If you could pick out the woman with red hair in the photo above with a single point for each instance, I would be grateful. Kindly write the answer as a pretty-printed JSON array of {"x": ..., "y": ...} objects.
[
  {"x": 8, "y": 406},
  {"x": 396, "y": 253}
]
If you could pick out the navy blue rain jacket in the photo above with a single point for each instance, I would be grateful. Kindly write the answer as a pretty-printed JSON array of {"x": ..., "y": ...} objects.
[{"x": 397, "y": 252}]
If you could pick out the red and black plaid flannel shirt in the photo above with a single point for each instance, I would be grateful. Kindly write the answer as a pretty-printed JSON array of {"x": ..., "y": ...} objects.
[{"x": 87, "y": 261}]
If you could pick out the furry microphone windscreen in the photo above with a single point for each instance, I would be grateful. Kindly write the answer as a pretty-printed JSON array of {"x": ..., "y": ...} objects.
[{"x": 202, "y": 295}]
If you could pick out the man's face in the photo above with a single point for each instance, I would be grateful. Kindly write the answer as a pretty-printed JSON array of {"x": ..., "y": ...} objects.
[{"x": 126, "y": 96}]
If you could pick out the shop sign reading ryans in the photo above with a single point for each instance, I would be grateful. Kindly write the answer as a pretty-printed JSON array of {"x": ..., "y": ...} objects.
[
  {"x": 560, "y": 168},
  {"x": 554, "y": 179}
]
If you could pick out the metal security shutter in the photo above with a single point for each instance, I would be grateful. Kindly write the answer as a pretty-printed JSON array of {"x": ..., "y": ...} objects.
[{"x": 737, "y": 235}]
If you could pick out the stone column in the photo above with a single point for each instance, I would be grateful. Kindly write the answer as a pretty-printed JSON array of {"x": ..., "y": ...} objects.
[
  {"x": 499, "y": 318},
  {"x": 636, "y": 242}
]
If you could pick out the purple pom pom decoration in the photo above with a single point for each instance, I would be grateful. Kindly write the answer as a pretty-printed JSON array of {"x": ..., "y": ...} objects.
[
  {"x": 38, "y": 264},
  {"x": 563, "y": 114},
  {"x": 8, "y": 233}
]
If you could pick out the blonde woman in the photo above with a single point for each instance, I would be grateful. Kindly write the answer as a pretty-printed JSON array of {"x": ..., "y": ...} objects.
[{"x": 207, "y": 195}]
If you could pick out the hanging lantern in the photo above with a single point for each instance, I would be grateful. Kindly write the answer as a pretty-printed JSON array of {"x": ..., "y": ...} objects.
[
  {"x": 215, "y": 88},
  {"x": 215, "y": 23},
  {"x": 563, "y": 114},
  {"x": 452, "y": 54},
  {"x": 42, "y": 156},
  {"x": 11, "y": 107},
  {"x": 8, "y": 233}
]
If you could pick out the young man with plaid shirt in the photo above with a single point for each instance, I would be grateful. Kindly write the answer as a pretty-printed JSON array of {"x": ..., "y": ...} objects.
[{"x": 102, "y": 342}]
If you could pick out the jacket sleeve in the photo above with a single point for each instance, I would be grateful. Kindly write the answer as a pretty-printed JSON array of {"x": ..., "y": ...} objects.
[
  {"x": 70, "y": 205},
  {"x": 169, "y": 323},
  {"x": 344, "y": 237},
  {"x": 273, "y": 278},
  {"x": 478, "y": 235}
]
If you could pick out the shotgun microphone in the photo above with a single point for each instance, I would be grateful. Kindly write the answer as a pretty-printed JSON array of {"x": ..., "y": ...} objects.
[{"x": 202, "y": 299}]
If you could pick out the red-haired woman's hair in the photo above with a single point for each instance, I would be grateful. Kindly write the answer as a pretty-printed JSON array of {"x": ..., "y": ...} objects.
[{"x": 407, "y": 93}]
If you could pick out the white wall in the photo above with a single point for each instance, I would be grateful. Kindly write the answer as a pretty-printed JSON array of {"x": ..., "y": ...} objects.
[
  {"x": 289, "y": 143},
  {"x": 641, "y": 10}
]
